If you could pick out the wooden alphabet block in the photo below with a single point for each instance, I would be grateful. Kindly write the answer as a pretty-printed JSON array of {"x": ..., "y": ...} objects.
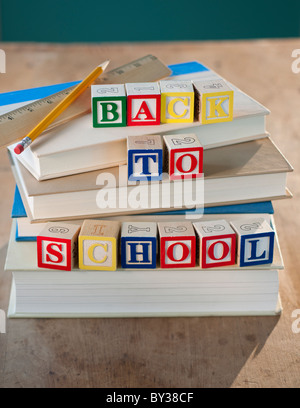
[
  {"x": 145, "y": 157},
  {"x": 109, "y": 105},
  {"x": 98, "y": 245},
  {"x": 183, "y": 156},
  {"x": 177, "y": 101},
  {"x": 177, "y": 244},
  {"x": 255, "y": 239},
  {"x": 216, "y": 243},
  {"x": 57, "y": 246},
  {"x": 213, "y": 101},
  {"x": 138, "y": 245},
  {"x": 143, "y": 104}
]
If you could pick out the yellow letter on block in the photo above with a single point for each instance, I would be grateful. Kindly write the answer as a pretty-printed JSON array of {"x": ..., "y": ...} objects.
[
  {"x": 177, "y": 102},
  {"x": 214, "y": 101}
]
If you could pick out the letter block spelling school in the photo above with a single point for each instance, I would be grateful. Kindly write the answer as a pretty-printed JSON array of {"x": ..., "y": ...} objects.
[
  {"x": 109, "y": 105},
  {"x": 177, "y": 244},
  {"x": 255, "y": 241},
  {"x": 183, "y": 156},
  {"x": 57, "y": 246},
  {"x": 216, "y": 243},
  {"x": 98, "y": 245},
  {"x": 213, "y": 101},
  {"x": 177, "y": 101},
  {"x": 139, "y": 245},
  {"x": 143, "y": 103},
  {"x": 145, "y": 157}
]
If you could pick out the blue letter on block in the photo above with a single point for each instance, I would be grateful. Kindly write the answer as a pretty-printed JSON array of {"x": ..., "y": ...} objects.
[
  {"x": 138, "y": 252},
  {"x": 257, "y": 249},
  {"x": 145, "y": 165}
]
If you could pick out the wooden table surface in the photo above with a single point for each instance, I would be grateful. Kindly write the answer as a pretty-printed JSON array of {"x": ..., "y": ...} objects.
[{"x": 163, "y": 352}]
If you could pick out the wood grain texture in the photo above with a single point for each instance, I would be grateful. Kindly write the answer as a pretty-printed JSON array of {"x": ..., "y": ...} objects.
[{"x": 170, "y": 352}]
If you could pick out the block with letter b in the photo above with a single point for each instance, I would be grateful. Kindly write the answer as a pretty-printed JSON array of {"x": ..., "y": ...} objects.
[
  {"x": 109, "y": 105},
  {"x": 177, "y": 101},
  {"x": 213, "y": 101},
  {"x": 57, "y": 246},
  {"x": 255, "y": 241},
  {"x": 183, "y": 156},
  {"x": 138, "y": 245},
  {"x": 177, "y": 244},
  {"x": 143, "y": 104},
  {"x": 216, "y": 243},
  {"x": 145, "y": 157},
  {"x": 98, "y": 245}
]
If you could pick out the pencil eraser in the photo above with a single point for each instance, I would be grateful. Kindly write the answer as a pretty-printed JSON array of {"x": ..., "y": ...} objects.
[{"x": 18, "y": 149}]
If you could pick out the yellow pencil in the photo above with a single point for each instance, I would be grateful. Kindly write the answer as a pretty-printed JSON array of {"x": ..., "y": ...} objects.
[{"x": 60, "y": 108}]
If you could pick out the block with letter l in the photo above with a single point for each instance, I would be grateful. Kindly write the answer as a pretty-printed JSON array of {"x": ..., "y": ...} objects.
[
  {"x": 98, "y": 245},
  {"x": 177, "y": 101},
  {"x": 57, "y": 246},
  {"x": 255, "y": 238},
  {"x": 109, "y": 105},
  {"x": 139, "y": 245},
  {"x": 213, "y": 101}
]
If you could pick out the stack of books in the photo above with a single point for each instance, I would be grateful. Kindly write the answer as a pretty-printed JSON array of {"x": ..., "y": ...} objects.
[{"x": 64, "y": 176}]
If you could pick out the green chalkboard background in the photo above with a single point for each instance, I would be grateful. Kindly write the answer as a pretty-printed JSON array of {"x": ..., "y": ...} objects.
[{"x": 142, "y": 20}]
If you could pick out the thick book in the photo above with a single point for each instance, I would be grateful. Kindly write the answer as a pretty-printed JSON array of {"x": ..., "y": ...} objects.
[
  {"x": 76, "y": 147},
  {"x": 244, "y": 172}
]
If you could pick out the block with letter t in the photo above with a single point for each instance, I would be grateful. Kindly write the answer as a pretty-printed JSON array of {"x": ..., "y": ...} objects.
[
  {"x": 143, "y": 103},
  {"x": 98, "y": 245},
  {"x": 138, "y": 245},
  {"x": 145, "y": 157},
  {"x": 177, "y": 244},
  {"x": 183, "y": 156},
  {"x": 109, "y": 105},
  {"x": 177, "y": 102},
  {"x": 57, "y": 246},
  {"x": 255, "y": 238},
  {"x": 216, "y": 243},
  {"x": 213, "y": 101}
]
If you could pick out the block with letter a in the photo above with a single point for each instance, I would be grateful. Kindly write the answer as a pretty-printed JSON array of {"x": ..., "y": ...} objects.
[
  {"x": 183, "y": 156},
  {"x": 143, "y": 103},
  {"x": 213, "y": 101},
  {"x": 255, "y": 241},
  {"x": 139, "y": 245},
  {"x": 109, "y": 105},
  {"x": 145, "y": 157},
  {"x": 177, "y": 244},
  {"x": 216, "y": 243},
  {"x": 57, "y": 246},
  {"x": 98, "y": 245},
  {"x": 177, "y": 101}
]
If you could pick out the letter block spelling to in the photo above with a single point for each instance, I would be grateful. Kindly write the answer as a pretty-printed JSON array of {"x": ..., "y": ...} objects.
[
  {"x": 255, "y": 239},
  {"x": 98, "y": 245},
  {"x": 183, "y": 156},
  {"x": 177, "y": 244},
  {"x": 177, "y": 101},
  {"x": 213, "y": 101},
  {"x": 143, "y": 104},
  {"x": 145, "y": 157},
  {"x": 138, "y": 245},
  {"x": 109, "y": 105},
  {"x": 216, "y": 243},
  {"x": 57, "y": 246}
]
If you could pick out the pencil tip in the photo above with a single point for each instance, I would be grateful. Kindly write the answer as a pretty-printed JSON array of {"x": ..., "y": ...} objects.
[{"x": 104, "y": 65}]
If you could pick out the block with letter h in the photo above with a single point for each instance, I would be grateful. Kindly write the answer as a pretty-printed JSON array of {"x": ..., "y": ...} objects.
[
  {"x": 145, "y": 157},
  {"x": 143, "y": 103},
  {"x": 184, "y": 156},
  {"x": 57, "y": 246},
  {"x": 213, "y": 101},
  {"x": 177, "y": 244},
  {"x": 177, "y": 101},
  {"x": 98, "y": 245},
  {"x": 255, "y": 241},
  {"x": 109, "y": 105},
  {"x": 216, "y": 243},
  {"x": 139, "y": 245}
]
